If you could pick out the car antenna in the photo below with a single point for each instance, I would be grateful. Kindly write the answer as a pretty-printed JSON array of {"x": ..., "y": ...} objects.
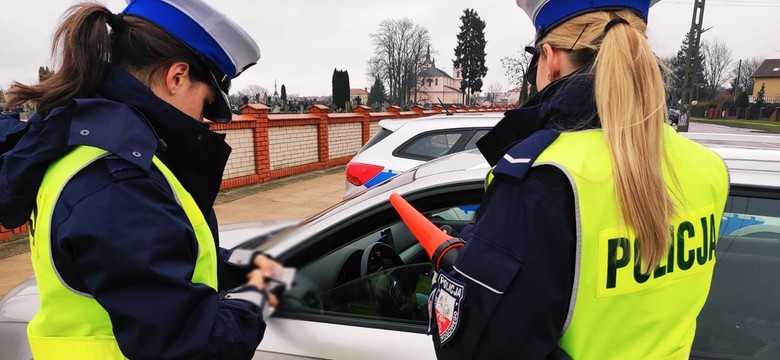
[{"x": 447, "y": 111}]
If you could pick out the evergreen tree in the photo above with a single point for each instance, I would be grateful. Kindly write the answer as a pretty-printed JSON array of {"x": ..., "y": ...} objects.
[
  {"x": 283, "y": 96},
  {"x": 678, "y": 72},
  {"x": 336, "y": 88},
  {"x": 43, "y": 73},
  {"x": 340, "y": 86},
  {"x": 377, "y": 96},
  {"x": 345, "y": 91},
  {"x": 743, "y": 100},
  {"x": 760, "y": 96},
  {"x": 470, "y": 53}
]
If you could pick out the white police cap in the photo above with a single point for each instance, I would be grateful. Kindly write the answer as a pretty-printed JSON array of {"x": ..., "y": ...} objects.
[
  {"x": 224, "y": 47},
  {"x": 547, "y": 14}
]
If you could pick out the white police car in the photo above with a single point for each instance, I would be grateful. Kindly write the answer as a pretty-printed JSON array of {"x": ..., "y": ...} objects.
[
  {"x": 402, "y": 144},
  {"x": 362, "y": 280}
]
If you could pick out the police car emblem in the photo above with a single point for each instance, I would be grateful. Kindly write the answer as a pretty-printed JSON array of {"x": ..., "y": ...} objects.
[{"x": 447, "y": 306}]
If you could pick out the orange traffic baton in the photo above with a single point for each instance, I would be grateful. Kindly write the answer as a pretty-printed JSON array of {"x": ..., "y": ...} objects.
[{"x": 436, "y": 243}]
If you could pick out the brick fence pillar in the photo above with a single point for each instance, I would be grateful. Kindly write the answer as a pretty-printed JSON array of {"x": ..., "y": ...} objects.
[
  {"x": 418, "y": 111},
  {"x": 260, "y": 134},
  {"x": 321, "y": 111},
  {"x": 438, "y": 109},
  {"x": 365, "y": 112},
  {"x": 395, "y": 110}
]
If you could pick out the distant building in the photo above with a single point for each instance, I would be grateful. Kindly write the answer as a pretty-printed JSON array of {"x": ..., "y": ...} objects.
[
  {"x": 768, "y": 75},
  {"x": 513, "y": 96},
  {"x": 358, "y": 93},
  {"x": 436, "y": 84}
]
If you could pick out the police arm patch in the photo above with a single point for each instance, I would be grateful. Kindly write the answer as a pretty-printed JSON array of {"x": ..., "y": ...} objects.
[{"x": 447, "y": 306}]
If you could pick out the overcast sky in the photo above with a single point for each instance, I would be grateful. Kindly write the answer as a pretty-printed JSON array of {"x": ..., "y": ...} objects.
[{"x": 302, "y": 41}]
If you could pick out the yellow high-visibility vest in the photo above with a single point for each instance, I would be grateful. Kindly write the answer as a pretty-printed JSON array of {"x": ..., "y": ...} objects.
[
  {"x": 616, "y": 311},
  {"x": 71, "y": 324}
]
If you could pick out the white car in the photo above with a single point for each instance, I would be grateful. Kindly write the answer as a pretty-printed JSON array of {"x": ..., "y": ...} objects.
[
  {"x": 402, "y": 144},
  {"x": 362, "y": 280}
]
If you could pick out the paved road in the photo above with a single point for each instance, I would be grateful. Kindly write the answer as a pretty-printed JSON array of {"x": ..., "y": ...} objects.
[
  {"x": 711, "y": 128},
  {"x": 295, "y": 197}
]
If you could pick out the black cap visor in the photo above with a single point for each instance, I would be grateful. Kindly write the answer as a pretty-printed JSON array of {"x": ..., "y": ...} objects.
[
  {"x": 530, "y": 74},
  {"x": 219, "y": 110}
]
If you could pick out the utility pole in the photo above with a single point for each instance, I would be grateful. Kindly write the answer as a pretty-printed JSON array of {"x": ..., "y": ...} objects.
[
  {"x": 689, "y": 81},
  {"x": 736, "y": 82}
]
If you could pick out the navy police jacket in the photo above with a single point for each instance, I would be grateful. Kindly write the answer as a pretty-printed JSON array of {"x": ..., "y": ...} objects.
[
  {"x": 509, "y": 292},
  {"x": 120, "y": 210}
]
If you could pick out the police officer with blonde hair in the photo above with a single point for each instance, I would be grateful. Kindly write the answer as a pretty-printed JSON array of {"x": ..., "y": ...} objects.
[
  {"x": 117, "y": 173},
  {"x": 596, "y": 237}
]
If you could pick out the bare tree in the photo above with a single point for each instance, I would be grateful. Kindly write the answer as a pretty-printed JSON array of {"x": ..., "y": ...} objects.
[
  {"x": 515, "y": 70},
  {"x": 493, "y": 90},
  {"x": 717, "y": 63},
  {"x": 399, "y": 51},
  {"x": 749, "y": 66},
  {"x": 668, "y": 75},
  {"x": 255, "y": 93}
]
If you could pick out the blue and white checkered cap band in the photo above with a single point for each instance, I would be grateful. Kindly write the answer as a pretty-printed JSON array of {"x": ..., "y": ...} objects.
[
  {"x": 204, "y": 29},
  {"x": 547, "y": 14}
]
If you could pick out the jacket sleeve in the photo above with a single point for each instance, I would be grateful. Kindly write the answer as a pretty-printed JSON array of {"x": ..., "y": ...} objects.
[
  {"x": 135, "y": 251},
  {"x": 11, "y": 130},
  {"x": 517, "y": 268}
]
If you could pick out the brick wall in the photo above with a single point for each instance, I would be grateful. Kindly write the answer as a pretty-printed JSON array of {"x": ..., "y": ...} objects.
[
  {"x": 292, "y": 146},
  {"x": 6, "y": 234},
  {"x": 344, "y": 139},
  {"x": 289, "y": 144},
  {"x": 373, "y": 128},
  {"x": 242, "y": 159}
]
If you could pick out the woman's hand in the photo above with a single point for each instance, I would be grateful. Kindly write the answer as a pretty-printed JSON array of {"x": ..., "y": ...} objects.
[
  {"x": 265, "y": 268},
  {"x": 257, "y": 278}
]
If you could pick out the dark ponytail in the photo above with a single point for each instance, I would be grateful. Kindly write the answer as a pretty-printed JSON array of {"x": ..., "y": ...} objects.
[
  {"x": 84, "y": 43},
  {"x": 86, "y": 47}
]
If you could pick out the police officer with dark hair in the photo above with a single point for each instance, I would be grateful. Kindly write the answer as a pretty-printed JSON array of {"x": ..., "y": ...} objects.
[
  {"x": 117, "y": 173},
  {"x": 597, "y": 234}
]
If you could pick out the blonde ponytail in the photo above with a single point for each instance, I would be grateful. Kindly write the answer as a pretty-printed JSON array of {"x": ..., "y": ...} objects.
[{"x": 630, "y": 98}]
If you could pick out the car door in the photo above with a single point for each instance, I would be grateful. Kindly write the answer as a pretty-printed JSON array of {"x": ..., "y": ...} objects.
[
  {"x": 741, "y": 319},
  {"x": 361, "y": 287}
]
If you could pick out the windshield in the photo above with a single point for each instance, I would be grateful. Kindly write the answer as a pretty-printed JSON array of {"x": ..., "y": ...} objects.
[{"x": 365, "y": 199}]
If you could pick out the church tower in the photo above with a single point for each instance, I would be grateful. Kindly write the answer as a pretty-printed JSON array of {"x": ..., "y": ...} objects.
[{"x": 428, "y": 63}]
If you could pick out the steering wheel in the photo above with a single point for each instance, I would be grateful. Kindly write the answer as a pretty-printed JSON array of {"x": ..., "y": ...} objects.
[
  {"x": 377, "y": 257},
  {"x": 389, "y": 290}
]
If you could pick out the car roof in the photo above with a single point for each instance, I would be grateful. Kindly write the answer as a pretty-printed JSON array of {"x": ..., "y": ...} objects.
[
  {"x": 445, "y": 121},
  {"x": 737, "y": 141},
  {"x": 753, "y": 160}
]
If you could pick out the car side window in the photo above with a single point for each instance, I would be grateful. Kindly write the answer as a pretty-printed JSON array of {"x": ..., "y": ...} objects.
[
  {"x": 472, "y": 143},
  {"x": 384, "y": 275},
  {"x": 741, "y": 318},
  {"x": 430, "y": 145}
]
